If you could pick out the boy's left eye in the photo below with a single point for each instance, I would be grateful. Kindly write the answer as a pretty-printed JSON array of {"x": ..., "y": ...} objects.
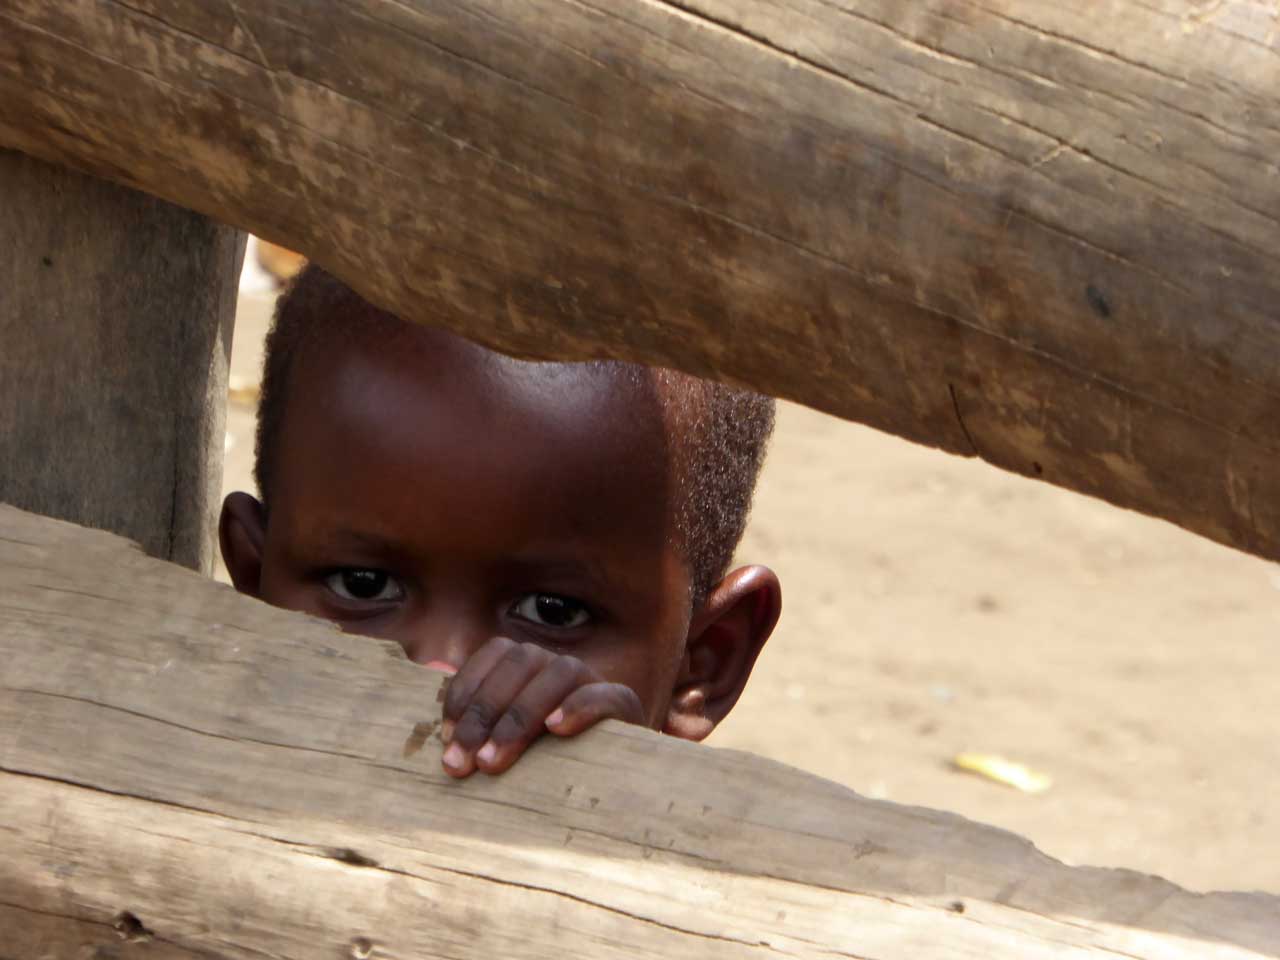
[{"x": 551, "y": 610}]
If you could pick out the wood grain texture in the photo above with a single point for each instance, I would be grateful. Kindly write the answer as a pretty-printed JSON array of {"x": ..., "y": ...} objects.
[
  {"x": 115, "y": 320},
  {"x": 185, "y": 772},
  {"x": 1043, "y": 233}
]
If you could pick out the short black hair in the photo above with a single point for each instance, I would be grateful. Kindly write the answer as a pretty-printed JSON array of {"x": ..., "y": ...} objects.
[{"x": 724, "y": 431}]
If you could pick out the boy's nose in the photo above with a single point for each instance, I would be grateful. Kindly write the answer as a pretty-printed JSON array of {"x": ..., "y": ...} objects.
[
  {"x": 441, "y": 665},
  {"x": 445, "y": 642}
]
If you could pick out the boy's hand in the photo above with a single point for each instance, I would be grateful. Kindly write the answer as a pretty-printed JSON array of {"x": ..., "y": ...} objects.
[{"x": 507, "y": 693}]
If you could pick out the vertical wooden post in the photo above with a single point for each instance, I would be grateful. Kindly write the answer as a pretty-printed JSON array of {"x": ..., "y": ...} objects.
[{"x": 116, "y": 315}]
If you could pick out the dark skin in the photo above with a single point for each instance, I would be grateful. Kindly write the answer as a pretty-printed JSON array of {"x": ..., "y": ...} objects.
[{"x": 507, "y": 521}]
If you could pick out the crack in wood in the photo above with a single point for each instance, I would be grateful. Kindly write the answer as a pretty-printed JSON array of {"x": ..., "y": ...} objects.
[
  {"x": 955, "y": 405},
  {"x": 747, "y": 36}
]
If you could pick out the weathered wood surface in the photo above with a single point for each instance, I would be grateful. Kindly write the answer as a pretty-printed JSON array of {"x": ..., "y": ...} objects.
[
  {"x": 1044, "y": 233},
  {"x": 115, "y": 322},
  {"x": 245, "y": 782}
]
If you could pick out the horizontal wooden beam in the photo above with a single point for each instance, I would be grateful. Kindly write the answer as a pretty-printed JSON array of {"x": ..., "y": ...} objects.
[
  {"x": 1043, "y": 233},
  {"x": 188, "y": 773}
]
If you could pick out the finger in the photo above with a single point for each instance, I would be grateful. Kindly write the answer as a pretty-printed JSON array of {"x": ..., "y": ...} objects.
[
  {"x": 509, "y": 676},
  {"x": 467, "y": 680},
  {"x": 525, "y": 719},
  {"x": 462, "y": 687},
  {"x": 588, "y": 705}
]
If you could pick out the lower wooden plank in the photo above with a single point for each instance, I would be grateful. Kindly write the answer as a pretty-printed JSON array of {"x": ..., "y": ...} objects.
[{"x": 188, "y": 773}]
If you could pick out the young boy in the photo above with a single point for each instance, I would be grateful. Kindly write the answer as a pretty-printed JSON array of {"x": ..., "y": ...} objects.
[{"x": 556, "y": 535}]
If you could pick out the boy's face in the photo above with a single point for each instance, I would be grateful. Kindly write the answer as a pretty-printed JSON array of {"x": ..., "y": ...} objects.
[{"x": 430, "y": 492}]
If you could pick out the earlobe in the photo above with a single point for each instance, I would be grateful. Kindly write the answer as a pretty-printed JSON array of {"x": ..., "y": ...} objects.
[
  {"x": 725, "y": 638},
  {"x": 242, "y": 533}
]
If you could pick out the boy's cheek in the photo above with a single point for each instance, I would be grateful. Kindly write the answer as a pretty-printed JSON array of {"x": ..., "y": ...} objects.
[{"x": 652, "y": 677}]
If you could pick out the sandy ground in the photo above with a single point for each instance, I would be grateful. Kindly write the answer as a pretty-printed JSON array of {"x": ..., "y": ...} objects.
[{"x": 935, "y": 605}]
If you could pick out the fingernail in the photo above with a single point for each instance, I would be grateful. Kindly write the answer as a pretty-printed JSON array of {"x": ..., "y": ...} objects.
[
  {"x": 555, "y": 717},
  {"x": 455, "y": 757},
  {"x": 487, "y": 753},
  {"x": 446, "y": 731}
]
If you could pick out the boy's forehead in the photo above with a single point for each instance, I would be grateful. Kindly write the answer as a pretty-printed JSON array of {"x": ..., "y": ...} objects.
[
  {"x": 581, "y": 439},
  {"x": 430, "y": 368}
]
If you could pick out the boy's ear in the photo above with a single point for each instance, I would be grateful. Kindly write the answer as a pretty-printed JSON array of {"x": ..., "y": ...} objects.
[
  {"x": 242, "y": 531},
  {"x": 725, "y": 637}
]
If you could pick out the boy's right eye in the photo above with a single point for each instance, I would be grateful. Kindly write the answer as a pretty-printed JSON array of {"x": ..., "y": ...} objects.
[{"x": 365, "y": 586}]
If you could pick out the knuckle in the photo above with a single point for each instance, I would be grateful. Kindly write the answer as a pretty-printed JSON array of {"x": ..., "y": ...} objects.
[
  {"x": 573, "y": 663},
  {"x": 519, "y": 655},
  {"x": 570, "y": 669},
  {"x": 500, "y": 644},
  {"x": 514, "y": 725},
  {"x": 455, "y": 700},
  {"x": 479, "y": 714}
]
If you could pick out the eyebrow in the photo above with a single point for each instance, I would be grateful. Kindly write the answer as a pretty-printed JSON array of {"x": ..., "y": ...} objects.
[
  {"x": 557, "y": 563},
  {"x": 548, "y": 561},
  {"x": 345, "y": 538}
]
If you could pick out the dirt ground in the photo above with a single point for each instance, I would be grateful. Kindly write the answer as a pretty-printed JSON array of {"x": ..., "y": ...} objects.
[{"x": 935, "y": 605}]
